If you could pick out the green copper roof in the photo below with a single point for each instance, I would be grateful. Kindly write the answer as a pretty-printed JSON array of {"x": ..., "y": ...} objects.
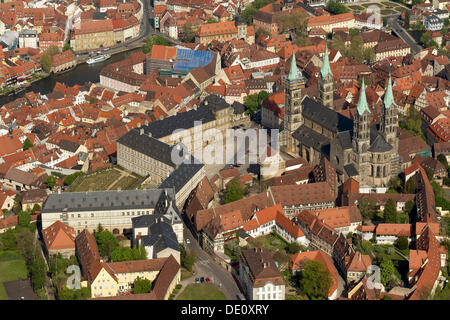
[
  {"x": 389, "y": 96},
  {"x": 362, "y": 105},
  {"x": 325, "y": 70},
  {"x": 293, "y": 72}
]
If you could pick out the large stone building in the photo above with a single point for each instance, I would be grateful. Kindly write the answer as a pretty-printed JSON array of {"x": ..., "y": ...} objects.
[
  {"x": 112, "y": 209},
  {"x": 148, "y": 150},
  {"x": 369, "y": 154}
]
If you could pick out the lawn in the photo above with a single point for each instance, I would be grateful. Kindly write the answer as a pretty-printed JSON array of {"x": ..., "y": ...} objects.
[
  {"x": 185, "y": 274},
  {"x": 98, "y": 181},
  {"x": 201, "y": 291},
  {"x": 386, "y": 12},
  {"x": 356, "y": 7},
  {"x": 125, "y": 183},
  {"x": 10, "y": 271},
  {"x": 271, "y": 241}
]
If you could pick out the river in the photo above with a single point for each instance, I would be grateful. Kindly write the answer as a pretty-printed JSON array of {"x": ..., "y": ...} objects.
[{"x": 81, "y": 74}]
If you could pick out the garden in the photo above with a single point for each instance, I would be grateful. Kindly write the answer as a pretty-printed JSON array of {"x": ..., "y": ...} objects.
[{"x": 98, "y": 181}]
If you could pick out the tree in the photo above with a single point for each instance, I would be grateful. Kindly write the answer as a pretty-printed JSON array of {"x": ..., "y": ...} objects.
[
  {"x": 443, "y": 159},
  {"x": 387, "y": 270},
  {"x": 294, "y": 247},
  {"x": 187, "y": 258},
  {"x": 211, "y": 20},
  {"x": 52, "y": 50},
  {"x": 402, "y": 243},
  {"x": 36, "y": 208},
  {"x": 141, "y": 285},
  {"x": 248, "y": 14},
  {"x": 68, "y": 47},
  {"x": 334, "y": 6},
  {"x": 390, "y": 211},
  {"x": 262, "y": 95},
  {"x": 17, "y": 207},
  {"x": 251, "y": 102},
  {"x": 353, "y": 32},
  {"x": 261, "y": 31},
  {"x": 189, "y": 34},
  {"x": 296, "y": 21},
  {"x": 38, "y": 271},
  {"x": 51, "y": 181},
  {"x": 409, "y": 207},
  {"x": 27, "y": 144},
  {"x": 46, "y": 62},
  {"x": 367, "y": 207},
  {"x": 68, "y": 180},
  {"x": 410, "y": 186},
  {"x": 24, "y": 219},
  {"x": 315, "y": 280},
  {"x": 407, "y": 16},
  {"x": 395, "y": 183},
  {"x": 233, "y": 191},
  {"x": 149, "y": 42},
  {"x": 106, "y": 242},
  {"x": 25, "y": 243}
]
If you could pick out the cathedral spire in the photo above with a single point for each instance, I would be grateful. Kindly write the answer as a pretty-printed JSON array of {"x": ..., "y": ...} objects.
[
  {"x": 293, "y": 72},
  {"x": 389, "y": 95},
  {"x": 326, "y": 69},
  {"x": 362, "y": 105}
]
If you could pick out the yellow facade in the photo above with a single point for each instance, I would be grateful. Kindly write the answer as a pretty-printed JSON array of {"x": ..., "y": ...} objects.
[{"x": 90, "y": 41}]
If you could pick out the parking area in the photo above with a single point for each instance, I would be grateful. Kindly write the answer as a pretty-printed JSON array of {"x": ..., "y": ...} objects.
[{"x": 19, "y": 290}]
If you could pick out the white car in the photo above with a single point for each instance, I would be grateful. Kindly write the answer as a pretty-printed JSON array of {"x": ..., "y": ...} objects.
[{"x": 188, "y": 241}]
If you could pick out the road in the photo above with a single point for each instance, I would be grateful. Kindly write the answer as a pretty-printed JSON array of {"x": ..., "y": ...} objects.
[
  {"x": 392, "y": 21},
  {"x": 146, "y": 30},
  {"x": 206, "y": 267}
]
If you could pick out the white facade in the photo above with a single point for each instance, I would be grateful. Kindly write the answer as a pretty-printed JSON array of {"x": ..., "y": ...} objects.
[{"x": 268, "y": 292}]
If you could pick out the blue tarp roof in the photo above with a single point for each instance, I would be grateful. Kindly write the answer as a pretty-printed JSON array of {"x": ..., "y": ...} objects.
[{"x": 187, "y": 59}]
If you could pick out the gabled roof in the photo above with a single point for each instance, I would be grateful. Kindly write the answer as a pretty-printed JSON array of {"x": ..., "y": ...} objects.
[{"x": 59, "y": 236}]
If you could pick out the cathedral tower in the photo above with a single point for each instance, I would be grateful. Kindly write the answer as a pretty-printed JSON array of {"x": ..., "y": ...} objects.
[
  {"x": 361, "y": 123},
  {"x": 293, "y": 103},
  {"x": 326, "y": 86},
  {"x": 389, "y": 117},
  {"x": 361, "y": 136}
]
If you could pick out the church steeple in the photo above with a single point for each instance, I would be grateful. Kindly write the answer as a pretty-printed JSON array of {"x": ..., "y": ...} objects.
[
  {"x": 294, "y": 74},
  {"x": 361, "y": 124},
  {"x": 362, "y": 105},
  {"x": 326, "y": 69},
  {"x": 326, "y": 85},
  {"x": 389, "y": 118},
  {"x": 293, "y": 104},
  {"x": 389, "y": 95}
]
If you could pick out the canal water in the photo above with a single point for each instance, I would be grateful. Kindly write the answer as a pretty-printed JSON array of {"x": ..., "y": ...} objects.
[{"x": 81, "y": 74}]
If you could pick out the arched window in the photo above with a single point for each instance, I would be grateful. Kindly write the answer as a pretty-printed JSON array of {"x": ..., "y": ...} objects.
[
  {"x": 378, "y": 171},
  {"x": 384, "y": 171}
]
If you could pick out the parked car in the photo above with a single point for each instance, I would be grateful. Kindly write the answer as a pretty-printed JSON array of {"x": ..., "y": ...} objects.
[
  {"x": 188, "y": 241},
  {"x": 202, "y": 279},
  {"x": 207, "y": 279},
  {"x": 197, "y": 280}
]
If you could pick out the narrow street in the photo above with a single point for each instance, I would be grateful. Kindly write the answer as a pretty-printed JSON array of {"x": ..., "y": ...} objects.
[
  {"x": 206, "y": 267},
  {"x": 392, "y": 21}
]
